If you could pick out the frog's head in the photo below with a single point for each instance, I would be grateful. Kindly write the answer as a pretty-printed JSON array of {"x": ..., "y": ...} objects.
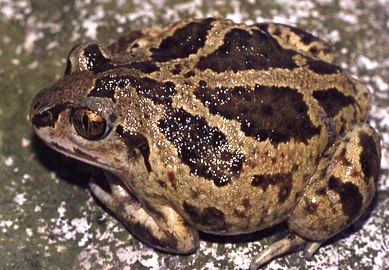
[{"x": 79, "y": 116}]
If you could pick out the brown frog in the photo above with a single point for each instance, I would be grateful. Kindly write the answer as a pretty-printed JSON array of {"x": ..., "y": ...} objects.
[{"x": 208, "y": 125}]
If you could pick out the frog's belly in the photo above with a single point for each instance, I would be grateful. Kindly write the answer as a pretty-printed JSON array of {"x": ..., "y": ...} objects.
[{"x": 239, "y": 209}]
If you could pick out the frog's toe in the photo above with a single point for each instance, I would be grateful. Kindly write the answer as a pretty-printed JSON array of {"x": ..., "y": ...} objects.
[
  {"x": 289, "y": 243},
  {"x": 278, "y": 248},
  {"x": 310, "y": 248},
  {"x": 100, "y": 193}
]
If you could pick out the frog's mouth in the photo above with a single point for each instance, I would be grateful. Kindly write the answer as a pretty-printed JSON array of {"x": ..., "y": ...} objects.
[{"x": 78, "y": 154}]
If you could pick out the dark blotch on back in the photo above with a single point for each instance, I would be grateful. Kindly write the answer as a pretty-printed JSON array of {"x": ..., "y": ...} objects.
[
  {"x": 210, "y": 216},
  {"x": 105, "y": 87},
  {"x": 203, "y": 148},
  {"x": 243, "y": 51},
  {"x": 158, "y": 92},
  {"x": 305, "y": 37},
  {"x": 369, "y": 157},
  {"x": 350, "y": 197},
  {"x": 136, "y": 141},
  {"x": 322, "y": 67},
  {"x": 274, "y": 113},
  {"x": 332, "y": 100},
  {"x": 185, "y": 41},
  {"x": 283, "y": 181},
  {"x": 95, "y": 59}
]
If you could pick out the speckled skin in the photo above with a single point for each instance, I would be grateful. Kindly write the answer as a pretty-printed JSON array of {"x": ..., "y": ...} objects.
[{"x": 219, "y": 127}]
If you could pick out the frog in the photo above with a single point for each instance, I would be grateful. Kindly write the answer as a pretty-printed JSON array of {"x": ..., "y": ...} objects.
[{"x": 213, "y": 126}]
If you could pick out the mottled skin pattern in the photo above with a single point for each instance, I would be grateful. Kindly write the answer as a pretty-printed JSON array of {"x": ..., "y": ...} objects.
[{"x": 219, "y": 127}]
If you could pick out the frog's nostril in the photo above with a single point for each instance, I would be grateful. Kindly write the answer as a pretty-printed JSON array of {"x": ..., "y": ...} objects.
[
  {"x": 49, "y": 117},
  {"x": 42, "y": 120}
]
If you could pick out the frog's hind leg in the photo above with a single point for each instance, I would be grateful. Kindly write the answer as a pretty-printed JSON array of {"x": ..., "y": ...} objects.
[
  {"x": 342, "y": 188},
  {"x": 164, "y": 230},
  {"x": 337, "y": 194}
]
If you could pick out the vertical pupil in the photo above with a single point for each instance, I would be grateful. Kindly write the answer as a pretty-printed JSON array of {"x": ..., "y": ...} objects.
[{"x": 85, "y": 122}]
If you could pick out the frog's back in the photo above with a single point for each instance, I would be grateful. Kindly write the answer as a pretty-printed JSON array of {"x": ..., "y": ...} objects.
[
  {"x": 240, "y": 121},
  {"x": 235, "y": 61}
]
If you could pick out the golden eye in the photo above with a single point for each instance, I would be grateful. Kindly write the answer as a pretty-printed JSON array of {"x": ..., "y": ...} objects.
[{"x": 89, "y": 124}]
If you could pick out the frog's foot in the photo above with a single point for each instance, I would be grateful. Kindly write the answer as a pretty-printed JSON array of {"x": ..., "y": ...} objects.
[
  {"x": 289, "y": 243},
  {"x": 163, "y": 229}
]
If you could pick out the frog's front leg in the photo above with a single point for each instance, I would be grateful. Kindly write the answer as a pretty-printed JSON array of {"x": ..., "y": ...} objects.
[
  {"x": 163, "y": 229},
  {"x": 337, "y": 194}
]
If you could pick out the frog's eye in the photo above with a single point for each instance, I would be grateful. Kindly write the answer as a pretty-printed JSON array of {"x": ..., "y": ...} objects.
[{"x": 89, "y": 124}]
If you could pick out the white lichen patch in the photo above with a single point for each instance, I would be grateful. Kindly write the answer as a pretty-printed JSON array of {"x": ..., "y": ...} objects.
[
  {"x": 20, "y": 199},
  {"x": 8, "y": 161},
  {"x": 74, "y": 229}
]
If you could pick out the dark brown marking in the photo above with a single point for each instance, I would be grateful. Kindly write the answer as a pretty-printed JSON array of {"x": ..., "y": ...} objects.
[
  {"x": 49, "y": 117},
  {"x": 283, "y": 181},
  {"x": 314, "y": 50},
  {"x": 158, "y": 92},
  {"x": 265, "y": 27},
  {"x": 104, "y": 87},
  {"x": 311, "y": 206},
  {"x": 341, "y": 158},
  {"x": 203, "y": 148},
  {"x": 189, "y": 74},
  {"x": 177, "y": 69},
  {"x": 322, "y": 67},
  {"x": 333, "y": 101},
  {"x": 171, "y": 176},
  {"x": 146, "y": 234},
  {"x": 135, "y": 141},
  {"x": 95, "y": 59},
  {"x": 244, "y": 51},
  {"x": 369, "y": 157},
  {"x": 246, "y": 203},
  {"x": 321, "y": 191},
  {"x": 350, "y": 197},
  {"x": 239, "y": 214},
  {"x": 162, "y": 184},
  {"x": 354, "y": 173},
  {"x": 274, "y": 113},
  {"x": 184, "y": 41},
  {"x": 210, "y": 216},
  {"x": 304, "y": 36},
  {"x": 172, "y": 179},
  {"x": 285, "y": 189}
]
